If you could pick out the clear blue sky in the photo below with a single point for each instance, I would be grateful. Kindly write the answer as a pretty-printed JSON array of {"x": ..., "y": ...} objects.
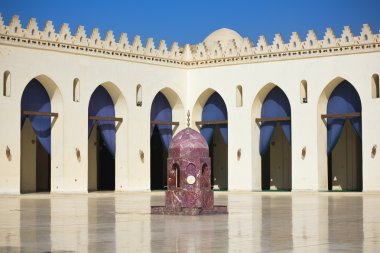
[{"x": 191, "y": 21}]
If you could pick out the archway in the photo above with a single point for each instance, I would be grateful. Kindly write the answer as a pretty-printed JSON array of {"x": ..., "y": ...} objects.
[
  {"x": 160, "y": 137},
  {"x": 102, "y": 140},
  {"x": 275, "y": 141},
  {"x": 214, "y": 128},
  {"x": 36, "y": 133},
  {"x": 344, "y": 146}
]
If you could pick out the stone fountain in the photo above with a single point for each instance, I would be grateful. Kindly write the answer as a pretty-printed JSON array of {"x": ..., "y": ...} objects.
[{"x": 189, "y": 177}]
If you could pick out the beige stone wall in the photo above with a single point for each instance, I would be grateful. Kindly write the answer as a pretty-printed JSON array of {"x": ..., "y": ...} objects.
[
  {"x": 92, "y": 161},
  {"x": 187, "y": 76},
  {"x": 308, "y": 130},
  {"x": 56, "y": 71}
]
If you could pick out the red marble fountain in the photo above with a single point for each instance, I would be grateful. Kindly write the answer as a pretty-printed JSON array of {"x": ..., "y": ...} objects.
[{"x": 189, "y": 177}]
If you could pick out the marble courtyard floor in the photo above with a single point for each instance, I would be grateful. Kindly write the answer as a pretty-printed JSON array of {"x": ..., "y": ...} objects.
[{"x": 257, "y": 222}]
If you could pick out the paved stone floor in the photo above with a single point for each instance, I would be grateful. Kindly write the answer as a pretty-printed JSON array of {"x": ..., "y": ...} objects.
[{"x": 257, "y": 222}]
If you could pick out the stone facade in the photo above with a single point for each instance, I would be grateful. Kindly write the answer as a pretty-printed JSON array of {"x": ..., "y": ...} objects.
[{"x": 187, "y": 75}]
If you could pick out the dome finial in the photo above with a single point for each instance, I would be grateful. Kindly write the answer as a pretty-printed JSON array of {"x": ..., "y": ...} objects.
[{"x": 188, "y": 118}]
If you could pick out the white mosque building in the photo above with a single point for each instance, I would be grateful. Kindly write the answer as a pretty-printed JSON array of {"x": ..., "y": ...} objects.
[{"x": 83, "y": 113}]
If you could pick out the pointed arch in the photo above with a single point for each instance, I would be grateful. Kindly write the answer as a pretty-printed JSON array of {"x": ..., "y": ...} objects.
[
  {"x": 275, "y": 105},
  {"x": 41, "y": 102},
  {"x": 167, "y": 106},
  {"x": 36, "y": 99},
  {"x": 339, "y": 97},
  {"x": 258, "y": 137},
  {"x": 343, "y": 99},
  {"x": 211, "y": 117},
  {"x": 176, "y": 104},
  {"x": 162, "y": 111},
  {"x": 215, "y": 101},
  {"x": 322, "y": 133},
  {"x": 101, "y": 105},
  {"x": 196, "y": 114},
  {"x": 166, "y": 112},
  {"x": 107, "y": 100},
  {"x": 214, "y": 110}
]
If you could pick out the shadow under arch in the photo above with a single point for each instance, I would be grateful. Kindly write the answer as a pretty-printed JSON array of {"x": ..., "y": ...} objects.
[
  {"x": 38, "y": 158},
  {"x": 118, "y": 99},
  {"x": 166, "y": 110},
  {"x": 176, "y": 104},
  {"x": 97, "y": 153},
  {"x": 324, "y": 162},
  {"x": 258, "y": 175},
  {"x": 216, "y": 135},
  {"x": 196, "y": 114}
]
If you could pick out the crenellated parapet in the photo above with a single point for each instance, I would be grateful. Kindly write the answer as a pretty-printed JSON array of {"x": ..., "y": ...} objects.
[{"x": 222, "y": 47}]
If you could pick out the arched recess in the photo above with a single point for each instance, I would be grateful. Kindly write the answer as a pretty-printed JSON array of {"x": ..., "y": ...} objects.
[
  {"x": 375, "y": 86},
  {"x": 139, "y": 95},
  {"x": 239, "y": 96},
  {"x": 339, "y": 142},
  {"x": 76, "y": 90},
  {"x": 211, "y": 117},
  {"x": 176, "y": 104},
  {"x": 275, "y": 141},
  {"x": 166, "y": 111},
  {"x": 41, "y": 136},
  {"x": 303, "y": 92},
  {"x": 107, "y": 146},
  {"x": 257, "y": 106},
  {"x": 7, "y": 84}
]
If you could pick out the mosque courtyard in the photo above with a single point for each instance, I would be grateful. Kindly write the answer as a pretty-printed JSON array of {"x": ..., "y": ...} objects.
[{"x": 257, "y": 222}]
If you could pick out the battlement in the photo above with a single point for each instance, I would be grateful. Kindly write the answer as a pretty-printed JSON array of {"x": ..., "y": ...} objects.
[{"x": 222, "y": 47}]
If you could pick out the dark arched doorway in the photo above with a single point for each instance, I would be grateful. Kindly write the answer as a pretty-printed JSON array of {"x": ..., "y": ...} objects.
[
  {"x": 275, "y": 142},
  {"x": 101, "y": 141},
  {"x": 36, "y": 138},
  {"x": 215, "y": 131},
  {"x": 160, "y": 138},
  {"x": 344, "y": 145}
]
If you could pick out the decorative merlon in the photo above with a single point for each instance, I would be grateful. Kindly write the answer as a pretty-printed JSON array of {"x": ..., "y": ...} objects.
[
  {"x": 329, "y": 40},
  {"x": 150, "y": 48},
  {"x": 95, "y": 39},
  {"x": 109, "y": 41},
  {"x": 14, "y": 27},
  {"x": 162, "y": 50},
  {"x": 221, "y": 47},
  {"x": 312, "y": 41},
  {"x": 347, "y": 38},
  {"x": 32, "y": 30},
  {"x": 262, "y": 45},
  {"x": 80, "y": 37},
  {"x": 278, "y": 44},
  {"x": 48, "y": 34},
  {"x": 295, "y": 43},
  {"x": 65, "y": 34},
  {"x": 123, "y": 45},
  {"x": 137, "y": 46},
  {"x": 246, "y": 47},
  {"x": 187, "y": 54}
]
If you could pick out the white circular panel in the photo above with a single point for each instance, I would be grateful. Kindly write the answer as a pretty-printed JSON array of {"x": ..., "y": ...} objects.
[{"x": 190, "y": 179}]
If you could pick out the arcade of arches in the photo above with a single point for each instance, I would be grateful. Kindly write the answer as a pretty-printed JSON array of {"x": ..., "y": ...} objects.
[{"x": 342, "y": 120}]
